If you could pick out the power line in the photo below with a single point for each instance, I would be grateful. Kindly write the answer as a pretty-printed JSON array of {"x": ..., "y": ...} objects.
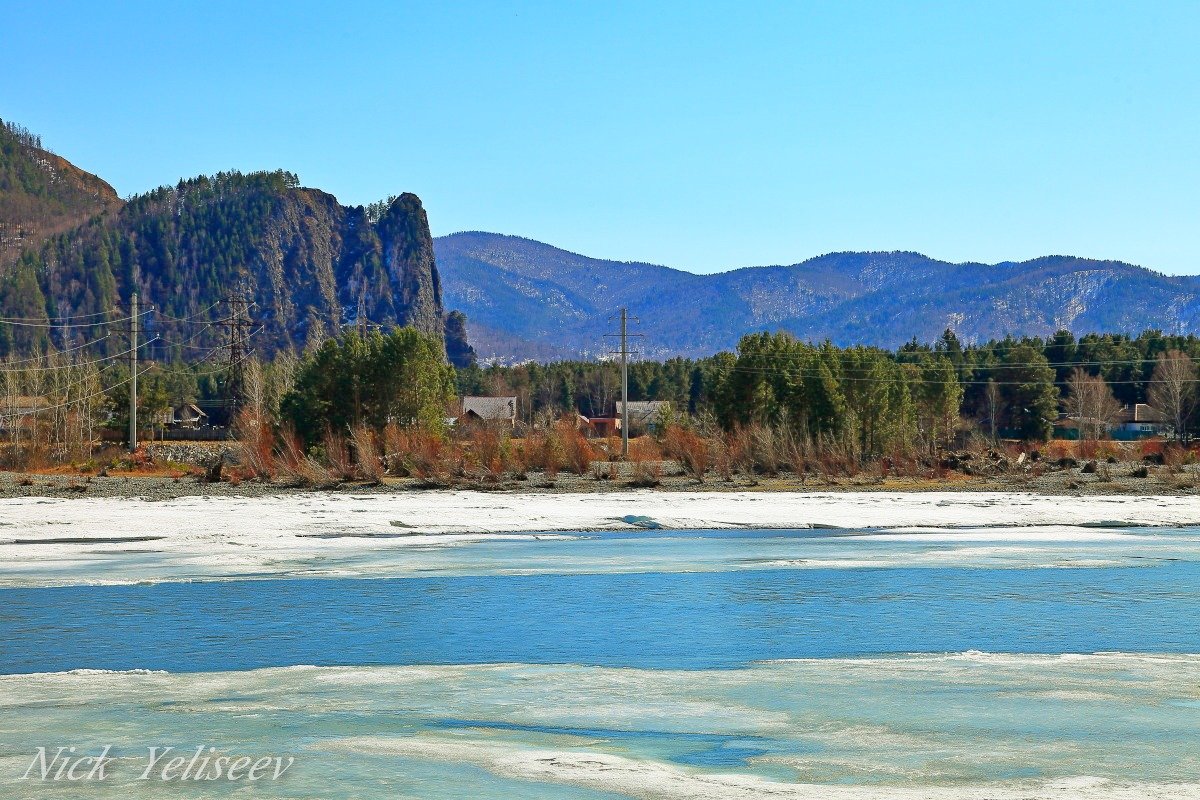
[
  {"x": 48, "y": 317},
  {"x": 77, "y": 400},
  {"x": 20, "y": 324},
  {"x": 965, "y": 365},
  {"x": 56, "y": 352},
  {"x": 192, "y": 318},
  {"x": 107, "y": 389},
  {"x": 70, "y": 364}
]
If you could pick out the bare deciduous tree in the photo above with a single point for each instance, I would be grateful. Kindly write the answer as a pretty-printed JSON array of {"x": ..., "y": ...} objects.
[
  {"x": 1173, "y": 389},
  {"x": 992, "y": 398},
  {"x": 1091, "y": 403}
]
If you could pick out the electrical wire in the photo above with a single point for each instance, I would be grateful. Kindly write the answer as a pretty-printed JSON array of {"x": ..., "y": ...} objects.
[
  {"x": 173, "y": 318},
  {"x": 72, "y": 316},
  {"x": 57, "y": 352},
  {"x": 69, "y": 365},
  {"x": 76, "y": 401},
  {"x": 18, "y": 323}
]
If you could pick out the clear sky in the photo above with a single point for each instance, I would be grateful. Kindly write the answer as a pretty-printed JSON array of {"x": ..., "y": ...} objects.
[{"x": 696, "y": 134}]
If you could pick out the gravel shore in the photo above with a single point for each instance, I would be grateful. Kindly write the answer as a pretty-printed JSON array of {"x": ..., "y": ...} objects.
[{"x": 1115, "y": 479}]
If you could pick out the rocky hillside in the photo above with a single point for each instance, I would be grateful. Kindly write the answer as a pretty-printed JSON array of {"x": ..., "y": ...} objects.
[
  {"x": 309, "y": 264},
  {"x": 41, "y": 193},
  {"x": 526, "y": 299}
]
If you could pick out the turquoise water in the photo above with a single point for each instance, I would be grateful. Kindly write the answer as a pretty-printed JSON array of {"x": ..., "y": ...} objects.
[
  {"x": 690, "y": 620},
  {"x": 694, "y": 664}
]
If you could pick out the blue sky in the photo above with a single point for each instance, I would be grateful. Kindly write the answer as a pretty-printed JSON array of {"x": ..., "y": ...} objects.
[{"x": 699, "y": 135}]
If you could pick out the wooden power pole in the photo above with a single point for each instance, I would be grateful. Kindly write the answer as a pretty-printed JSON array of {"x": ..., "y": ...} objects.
[
  {"x": 133, "y": 371},
  {"x": 624, "y": 354},
  {"x": 624, "y": 384}
]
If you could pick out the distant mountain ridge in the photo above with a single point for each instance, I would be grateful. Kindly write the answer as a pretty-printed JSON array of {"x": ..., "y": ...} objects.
[{"x": 527, "y": 299}]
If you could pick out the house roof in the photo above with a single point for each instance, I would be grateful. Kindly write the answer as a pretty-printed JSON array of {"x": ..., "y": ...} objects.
[
  {"x": 192, "y": 408},
  {"x": 490, "y": 407},
  {"x": 644, "y": 410},
  {"x": 1141, "y": 412}
]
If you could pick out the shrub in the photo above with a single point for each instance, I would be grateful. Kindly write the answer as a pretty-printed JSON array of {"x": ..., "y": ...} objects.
[
  {"x": 255, "y": 443},
  {"x": 490, "y": 453},
  {"x": 297, "y": 465},
  {"x": 337, "y": 456},
  {"x": 689, "y": 449},
  {"x": 646, "y": 474},
  {"x": 577, "y": 453},
  {"x": 764, "y": 450},
  {"x": 1175, "y": 456},
  {"x": 644, "y": 448},
  {"x": 422, "y": 454},
  {"x": 531, "y": 453},
  {"x": 366, "y": 453}
]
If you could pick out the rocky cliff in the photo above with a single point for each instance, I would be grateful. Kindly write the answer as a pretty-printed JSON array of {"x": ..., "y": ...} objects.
[{"x": 310, "y": 265}]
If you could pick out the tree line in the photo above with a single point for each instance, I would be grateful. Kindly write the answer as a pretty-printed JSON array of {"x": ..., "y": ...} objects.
[
  {"x": 863, "y": 402},
  {"x": 1011, "y": 388}
]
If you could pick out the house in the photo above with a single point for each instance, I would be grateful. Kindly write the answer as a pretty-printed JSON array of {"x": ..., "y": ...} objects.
[
  {"x": 495, "y": 410},
  {"x": 645, "y": 414},
  {"x": 1075, "y": 428},
  {"x": 186, "y": 415},
  {"x": 1141, "y": 421},
  {"x": 19, "y": 411},
  {"x": 600, "y": 427}
]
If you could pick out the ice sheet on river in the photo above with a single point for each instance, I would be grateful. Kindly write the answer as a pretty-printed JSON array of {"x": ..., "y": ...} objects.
[
  {"x": 947, "y": 727},
  {"x": 56, "y": 541}
]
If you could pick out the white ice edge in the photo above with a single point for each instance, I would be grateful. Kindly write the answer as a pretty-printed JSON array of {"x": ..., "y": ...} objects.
[
  {"x": 47, "y": 541},
  {"x": 434, "y": 671}
]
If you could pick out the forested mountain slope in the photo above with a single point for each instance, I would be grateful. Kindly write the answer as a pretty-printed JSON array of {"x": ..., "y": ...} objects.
[
  {"x": 41, "y": 193},
  {"x": 308, "y": 264}
]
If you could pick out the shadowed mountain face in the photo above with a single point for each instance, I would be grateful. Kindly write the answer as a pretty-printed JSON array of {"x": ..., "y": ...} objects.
[{"x": 525, "y": 299}]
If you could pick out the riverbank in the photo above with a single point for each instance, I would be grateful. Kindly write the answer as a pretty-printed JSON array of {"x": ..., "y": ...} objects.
[{"x": 1121, "y": 479}]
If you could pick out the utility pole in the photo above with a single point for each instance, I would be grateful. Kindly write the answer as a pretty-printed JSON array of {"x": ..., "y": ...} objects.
[
  {"x": 624, "y": 354},
  {"x": 624, "y": 384},
  {"x": 133, "y": 371}
]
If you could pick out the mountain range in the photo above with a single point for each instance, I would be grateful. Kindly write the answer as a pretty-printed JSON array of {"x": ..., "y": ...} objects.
[
  {"x": 526, "y": 299},
  {"x": 69, "y": 247}
]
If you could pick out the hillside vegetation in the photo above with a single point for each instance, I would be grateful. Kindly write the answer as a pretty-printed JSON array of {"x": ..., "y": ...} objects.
[
  {"x": 41, "y": 193},
  {"x": 307, "y": 264}
]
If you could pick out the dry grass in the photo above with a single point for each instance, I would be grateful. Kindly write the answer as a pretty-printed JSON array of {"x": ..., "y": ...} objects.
[{"x": 646, "y": 474}]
